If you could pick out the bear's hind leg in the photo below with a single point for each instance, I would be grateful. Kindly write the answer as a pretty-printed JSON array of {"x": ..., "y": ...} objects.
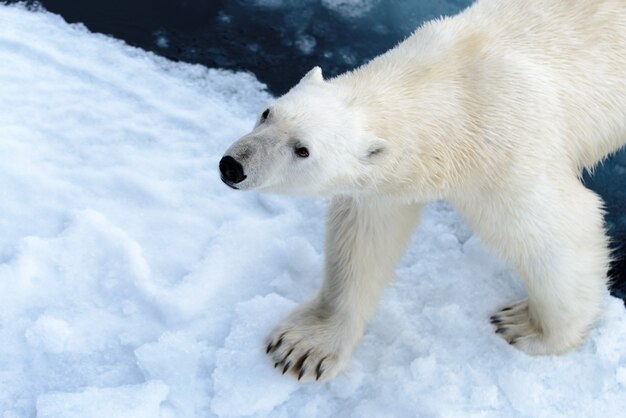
[{"x": 559, "y": 246}]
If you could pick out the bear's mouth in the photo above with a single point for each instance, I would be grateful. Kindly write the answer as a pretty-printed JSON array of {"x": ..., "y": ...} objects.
[{"x": 230, "y": 184}]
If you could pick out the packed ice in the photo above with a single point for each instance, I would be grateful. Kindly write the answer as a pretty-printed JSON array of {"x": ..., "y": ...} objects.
[{"x": 133, "y": 283}]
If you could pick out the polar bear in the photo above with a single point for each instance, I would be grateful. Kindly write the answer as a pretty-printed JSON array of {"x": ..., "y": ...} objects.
[{"x": 496, "y": 110}]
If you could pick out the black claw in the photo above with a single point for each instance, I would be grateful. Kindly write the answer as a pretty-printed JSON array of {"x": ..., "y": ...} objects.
[
  {"x": 508, "y": 308},
  {"x": 319, "y": 370},
  {"x": 276, "y": 364},
  {"x": 500, "y": 330},
  {"x": 514, "y": 340},
  {"x": 278, "y": 343},
  {"x": 301, "y": 361},
  {"x": 301, "y": 373},
  {"x": 495, "y": 320},
  {"x": 286, "y": 367},
  {"x": 272, "y": 347}
]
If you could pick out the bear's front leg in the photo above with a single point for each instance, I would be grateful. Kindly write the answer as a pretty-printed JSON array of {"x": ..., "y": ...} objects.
[{"x": 365, "y": 238}]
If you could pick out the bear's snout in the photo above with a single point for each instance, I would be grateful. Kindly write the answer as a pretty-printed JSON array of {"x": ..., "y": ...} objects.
[{"x": 232, "y": 171}]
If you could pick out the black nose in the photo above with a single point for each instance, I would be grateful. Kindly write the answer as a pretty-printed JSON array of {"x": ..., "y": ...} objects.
[{"x": 232, "y": 171}]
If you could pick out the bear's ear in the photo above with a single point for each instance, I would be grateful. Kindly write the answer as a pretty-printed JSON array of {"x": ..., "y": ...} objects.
[
  {"x": 313, "y": 75},
  {"x": 377, "y": 149}
]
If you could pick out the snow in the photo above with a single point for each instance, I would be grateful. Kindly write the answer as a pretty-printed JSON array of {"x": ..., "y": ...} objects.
[
  {"x": 132, "y": 401},
  {"x": 243, "y": 386},
  {"x": 134, "y": 284}
]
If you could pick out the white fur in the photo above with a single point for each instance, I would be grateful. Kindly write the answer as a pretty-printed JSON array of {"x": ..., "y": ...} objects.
[{"x": 496, "y": 110}]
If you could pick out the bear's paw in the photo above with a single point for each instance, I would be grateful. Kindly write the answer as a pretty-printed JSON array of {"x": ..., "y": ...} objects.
[
  {"x": 515, "y": 324},
  {"x": 310, "y": 346}
]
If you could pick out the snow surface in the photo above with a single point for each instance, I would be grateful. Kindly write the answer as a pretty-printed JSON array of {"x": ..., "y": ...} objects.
[{"x": 134, "y": 284}]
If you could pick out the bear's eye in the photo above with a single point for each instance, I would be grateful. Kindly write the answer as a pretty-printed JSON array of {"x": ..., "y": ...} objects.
[
  {"x": 301, "y": 152},
  {"x": 265, "y": 114}
]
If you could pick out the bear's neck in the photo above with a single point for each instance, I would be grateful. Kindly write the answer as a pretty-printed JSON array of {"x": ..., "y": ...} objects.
[{"x": 419, "y": 103}]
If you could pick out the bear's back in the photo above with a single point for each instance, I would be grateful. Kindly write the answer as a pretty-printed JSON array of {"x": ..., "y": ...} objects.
[{"x": 580, "y": 45}]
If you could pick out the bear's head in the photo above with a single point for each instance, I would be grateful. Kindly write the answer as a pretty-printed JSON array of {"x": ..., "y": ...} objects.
[{"x": 310, "y": 141}]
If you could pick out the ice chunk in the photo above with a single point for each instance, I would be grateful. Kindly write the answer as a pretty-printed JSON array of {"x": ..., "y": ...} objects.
[
  {"x": 306, "y": 44},
  {"x": 179, "y": 361},
  {"x": 350, "y": 8}
]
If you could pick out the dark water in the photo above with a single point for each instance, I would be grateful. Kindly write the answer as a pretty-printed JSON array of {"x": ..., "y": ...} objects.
[{"x": 279, "y": 40}]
